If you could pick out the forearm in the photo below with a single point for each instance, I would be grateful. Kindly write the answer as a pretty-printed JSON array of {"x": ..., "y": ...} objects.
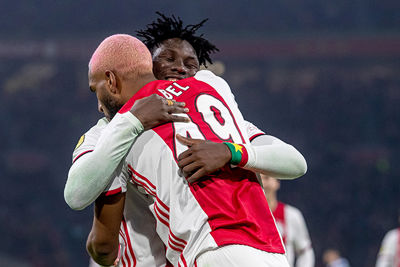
[
  {"x": 103, "y": 242},
  {"x": 90, "y": 174},
  {"x": 104, "y": 253},
  {"x": 279, "y": 160}
]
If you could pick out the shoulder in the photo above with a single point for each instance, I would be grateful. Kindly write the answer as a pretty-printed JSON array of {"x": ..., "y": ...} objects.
[
  {"x": 95, "y": 131},
  {"x": 212, "y": 79},
  {"x": 89, "y": 139}
]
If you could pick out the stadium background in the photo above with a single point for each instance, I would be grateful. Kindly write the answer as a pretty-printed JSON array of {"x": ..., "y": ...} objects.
[{"x": 322, "y": 75}]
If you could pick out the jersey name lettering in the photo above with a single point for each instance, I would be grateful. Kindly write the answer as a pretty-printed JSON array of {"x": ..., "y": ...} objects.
[{"x": 173, "y": 90}]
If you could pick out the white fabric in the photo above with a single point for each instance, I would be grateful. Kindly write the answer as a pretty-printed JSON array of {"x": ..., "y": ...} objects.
[
  {"x": 140, "y": 245},
  {"x": 253, "y": 131},
  {"x": 82, "y": 187},
  {"x": 297, "y": 238},
  {"x": 389, "y": 252},
  {"x": 153, "y": 160},
  {"x": 241, "y": 256},
  {"x": 278, "y": 160},
  {"x": 184, "y": 226}
]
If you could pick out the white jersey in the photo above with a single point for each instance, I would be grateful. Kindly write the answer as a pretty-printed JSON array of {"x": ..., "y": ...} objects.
[
  {"x": 292, "y": 226},
  {"x": 223, "y": 209},
  {"x": 252, "y": 131},
  {"x": 389, "y": 253},
  {"x": 140, "y": 246}
]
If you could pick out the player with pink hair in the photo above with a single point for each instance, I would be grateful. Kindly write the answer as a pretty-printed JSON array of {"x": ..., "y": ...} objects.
[
  {"x": 173, "y": 58},
  {"x": 116, "y": 149}
]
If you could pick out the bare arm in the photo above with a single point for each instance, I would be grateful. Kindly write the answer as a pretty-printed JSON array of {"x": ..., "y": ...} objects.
[{"x": 103, "y": 243}]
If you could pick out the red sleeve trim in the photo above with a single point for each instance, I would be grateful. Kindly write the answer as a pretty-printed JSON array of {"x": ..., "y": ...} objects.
[
  {"x": 245, "y": 157},
  {"x": 80, "y": 155},
  {"x": 255, "y": 136},
  {"x": 113, "y": 192}
]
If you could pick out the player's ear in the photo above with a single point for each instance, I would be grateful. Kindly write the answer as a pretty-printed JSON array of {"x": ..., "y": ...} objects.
[{"x": 112, "y": 82}]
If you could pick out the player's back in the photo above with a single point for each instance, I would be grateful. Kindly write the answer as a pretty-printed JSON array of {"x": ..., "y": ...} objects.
[{"x": 226, "y": 208}]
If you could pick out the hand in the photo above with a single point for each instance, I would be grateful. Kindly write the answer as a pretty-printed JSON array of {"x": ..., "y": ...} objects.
[
  {"x": 154, "y": 110},
  {"x": 202, "y": 157}
]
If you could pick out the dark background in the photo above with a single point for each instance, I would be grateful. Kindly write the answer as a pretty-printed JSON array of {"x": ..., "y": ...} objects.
[{"x": 321, "y": 75}]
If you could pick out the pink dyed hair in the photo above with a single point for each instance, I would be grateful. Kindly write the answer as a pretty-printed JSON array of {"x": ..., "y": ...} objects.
[{"x": 123, "y": 54}]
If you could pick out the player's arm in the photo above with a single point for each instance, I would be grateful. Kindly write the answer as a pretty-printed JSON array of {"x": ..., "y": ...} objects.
[
  {"x": 103, "y": 243},
  {"x": 92, "y": 172},
  {"x": 266, "y": 154}
]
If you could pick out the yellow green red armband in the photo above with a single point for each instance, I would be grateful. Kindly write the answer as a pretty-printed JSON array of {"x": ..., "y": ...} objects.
[{"x": 239, "y": 154}]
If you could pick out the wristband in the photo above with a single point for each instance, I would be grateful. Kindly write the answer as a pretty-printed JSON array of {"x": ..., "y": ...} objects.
[{"x": 239, "y": 154}]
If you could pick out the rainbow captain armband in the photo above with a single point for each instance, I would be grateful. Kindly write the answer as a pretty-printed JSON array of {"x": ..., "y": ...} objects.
[{"x": 239, "y": 154}]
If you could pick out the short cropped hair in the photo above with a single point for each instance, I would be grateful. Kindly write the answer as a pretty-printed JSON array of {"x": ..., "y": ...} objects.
[
  {"x": 123, "y": 54},
  {"x": 165, "y": 28}
]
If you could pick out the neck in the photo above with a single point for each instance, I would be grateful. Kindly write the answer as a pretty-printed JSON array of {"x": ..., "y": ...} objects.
[
  {"x": 135, "y": 84},
  {"x": 272, "y": 200}
]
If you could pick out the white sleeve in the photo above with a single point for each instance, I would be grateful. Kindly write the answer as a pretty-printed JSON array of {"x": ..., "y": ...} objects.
[
  {"x": 302, "y": 244},
  {"x": 90, "y": 175},
  {"x": 387, "y": 252},
  {"x": 273, "y": 157}
]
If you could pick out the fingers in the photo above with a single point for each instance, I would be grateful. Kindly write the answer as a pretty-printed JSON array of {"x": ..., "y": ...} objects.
[
  {"x": 175, "y": 118},
  {"x": 171, "y": 102},
  {"x": 184, "y": 141},
  {"x": 190, "y": 168},
  {"x": 176, "y": 109},
  {"x": 197, "y": 175},
  {"x": 188, "y": 141},
  {"x": 184, "y": 159}
]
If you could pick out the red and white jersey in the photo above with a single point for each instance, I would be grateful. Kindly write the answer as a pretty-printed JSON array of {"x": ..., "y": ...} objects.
[
  {"x": 389, "y": 253},
  {"x": 140, "y": 244},
  {"x": 293, "y": 229},
  {"x": 226, "y": 208},
  {"x": 252, "y": 131}
]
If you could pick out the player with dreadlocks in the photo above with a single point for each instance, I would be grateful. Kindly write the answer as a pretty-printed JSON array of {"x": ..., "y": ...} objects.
[
  {"x": 160, "y": 32},
  {"x": 174, "y": 58}
]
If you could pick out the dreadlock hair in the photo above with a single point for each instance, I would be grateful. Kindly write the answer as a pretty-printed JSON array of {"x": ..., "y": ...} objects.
[{"x": 166, "y": 28}]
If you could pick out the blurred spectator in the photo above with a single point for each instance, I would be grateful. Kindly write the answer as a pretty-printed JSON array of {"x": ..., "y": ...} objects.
[
  {"x": 332, "y": 258},
  {"x": 291, "y": 225}
]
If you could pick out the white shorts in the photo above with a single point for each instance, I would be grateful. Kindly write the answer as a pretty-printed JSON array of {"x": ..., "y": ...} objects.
[{"x": 240, "y": 256}]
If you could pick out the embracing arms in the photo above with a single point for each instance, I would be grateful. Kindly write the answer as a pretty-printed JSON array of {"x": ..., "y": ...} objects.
[{"x": 90, "y": 174}]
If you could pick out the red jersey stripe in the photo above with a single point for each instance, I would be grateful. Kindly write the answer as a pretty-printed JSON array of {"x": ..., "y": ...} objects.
[
  {"x": 173, "y": 247},
  {"x": 166, "y": 216},
  {"x": 142, "y": 177},
  {"x": 255, "y": 136},
  {"x": 113, "y": 192},
  {"x": 129, "y": 243},
  {"x": 177, "y": 238},
  {"x": 162, "y": 204},
  {"x": 183, "y": 260},
  {"x": 80, "y": 155},
  {"x": 148, "y": 190},
  {"x": 159, "y": 217}
]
